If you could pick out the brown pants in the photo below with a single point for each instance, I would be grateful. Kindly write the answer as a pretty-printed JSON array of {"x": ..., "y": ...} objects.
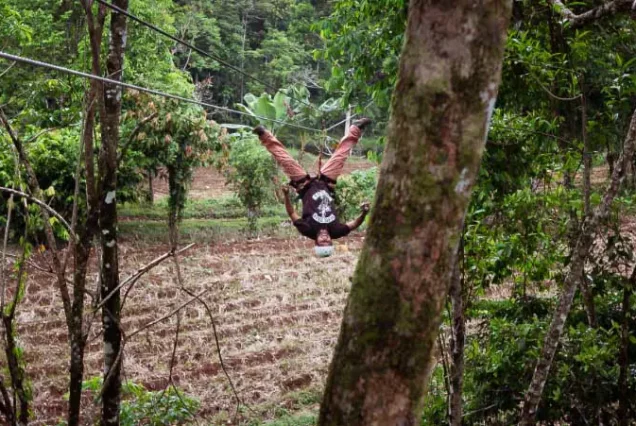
[{"x": 331, "y": 169}]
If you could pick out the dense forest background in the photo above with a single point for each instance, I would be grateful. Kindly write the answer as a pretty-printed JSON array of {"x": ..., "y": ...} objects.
[{"x": 541, "y": 309}]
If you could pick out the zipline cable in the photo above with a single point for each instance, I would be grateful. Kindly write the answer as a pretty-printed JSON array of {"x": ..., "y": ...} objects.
[
  {"x": 193, "y": 47},
  {"x": 41, "y": 64}
]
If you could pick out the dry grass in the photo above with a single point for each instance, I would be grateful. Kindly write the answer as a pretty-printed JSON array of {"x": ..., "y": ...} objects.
[{"x": 277, "y": 307}]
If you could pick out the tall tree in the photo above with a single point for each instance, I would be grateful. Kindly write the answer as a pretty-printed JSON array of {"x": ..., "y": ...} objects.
[
  {"x": 109, "y": 271},
  {"x": 449, "y": 74}
]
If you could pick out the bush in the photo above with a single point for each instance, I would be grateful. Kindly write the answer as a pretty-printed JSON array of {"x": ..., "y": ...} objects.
[
  {"x": 502, "y": 353},
  {"x": 250, "y": 172},
  {"x": 141, "y": 406},
  {"x": 53, "y": 157},
  {"x": 354, "y": 189}
]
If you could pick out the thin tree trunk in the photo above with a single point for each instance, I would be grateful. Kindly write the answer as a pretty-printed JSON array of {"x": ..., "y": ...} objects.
[
  {"x": 587, "y": 156},
  {"x": 449, "y": 75},
  {"x": 109, "y": 273},
  {"x": 151, "y": 189},
  {"x": 83, "y": 247},
  {"x": 572, "y": 280},
  {"x": 457, "y": 340},
  {"x": 588, "y": 301},
  {"x": 20, "y": 411},
  {"x": 17, "y": 373},
  {"x": 77, "y": 336},
  {"x": 623, "y": 357}
]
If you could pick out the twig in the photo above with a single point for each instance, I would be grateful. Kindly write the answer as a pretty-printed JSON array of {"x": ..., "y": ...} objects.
[
  {"x": 38, "y": 134},
  {"x": 133, "y": 135},
  {"x": 4, "y": 252},
  {"x": 8, "y": 69},
  {"x": 470, "y": 413},
  {"x": 33, "y": 264},
  {"x": 170, "y": 314},
  {"x": 552, "y": 95},
  {"x": 592, "y": 15},
  {"x": 239, "y": 402},
  {"x": 43, "y": 205},
  {"x": 141, "y": 271}
]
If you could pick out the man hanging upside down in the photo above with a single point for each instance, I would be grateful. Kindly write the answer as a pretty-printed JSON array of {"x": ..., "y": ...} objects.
[{"x": 318, "y": 221}]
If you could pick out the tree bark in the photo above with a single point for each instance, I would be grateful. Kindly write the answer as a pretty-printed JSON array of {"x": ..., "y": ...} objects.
[
  {"x": 17, "y": 374},
  {"x": 587, "y": 156},
  {"x": 572, "y": 280},
  {"x": 448, "y": 79},
  {"x": 82, "y": 248},
  {"x": 151, "y": 189},
  {"x": 109, "y": 274},
  {"x": 623, "y": 357},
  {"x": 458, "y": 339}
]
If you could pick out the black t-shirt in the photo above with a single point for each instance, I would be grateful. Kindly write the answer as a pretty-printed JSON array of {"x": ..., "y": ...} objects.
[{"x": 319, "y": 212}]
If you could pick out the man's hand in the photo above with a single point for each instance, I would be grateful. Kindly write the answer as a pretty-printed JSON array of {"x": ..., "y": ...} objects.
[
  {"x": 285, "y": 189},
  {"x": 365, "y": 207}
]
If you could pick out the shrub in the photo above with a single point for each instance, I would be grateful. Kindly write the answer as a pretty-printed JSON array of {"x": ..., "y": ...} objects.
[
  {"x": 53, "y": 157},
  {"x": 354, "y": 189},
  {"x": 250, "y": 173},
  {"x": 141, "y": 406}
]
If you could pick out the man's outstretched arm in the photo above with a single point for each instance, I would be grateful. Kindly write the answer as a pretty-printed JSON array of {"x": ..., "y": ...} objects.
[
  {"x": 355, "y": 224},
  {"x": 288, "y": 205}
]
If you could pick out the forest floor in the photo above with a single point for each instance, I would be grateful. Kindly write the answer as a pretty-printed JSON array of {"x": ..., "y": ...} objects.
[{"x": 276, "y": 307}]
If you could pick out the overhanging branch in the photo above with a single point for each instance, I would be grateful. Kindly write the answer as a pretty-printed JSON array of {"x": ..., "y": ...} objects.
[{"x": 606, "y": 9}]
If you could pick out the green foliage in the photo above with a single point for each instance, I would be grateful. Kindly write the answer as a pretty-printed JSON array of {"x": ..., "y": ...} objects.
[
  {"x": 363, "y": 41},
  {"x": 435, "y": 402},
  {"x": 141, "y": 406},
  {"x": 354, "y": 189},
  {"x": 500, "y": 359},
  {"x": 250, "y": 172}
]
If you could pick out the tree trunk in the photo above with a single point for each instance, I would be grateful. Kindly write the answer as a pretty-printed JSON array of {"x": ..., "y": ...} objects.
[
  {"x": 588, "y": 301},
  {"x": 17, "y": 374},
  {"x": 83, "y": 247},
  {"x": 457, "y": 341},
  {"x": 151, "y": 189},
  {"x": 76, "y": 332},
  {"x": 587, "y": 156},
  {"x": 572, "y": 280},
  {"x": 623, "y": 357},
  {"x": 109, "y": 274},
  {"x": 448, "y": 80}
]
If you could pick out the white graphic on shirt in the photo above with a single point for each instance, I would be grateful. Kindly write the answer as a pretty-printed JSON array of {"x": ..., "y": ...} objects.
[{"x": 324, "y": 208}]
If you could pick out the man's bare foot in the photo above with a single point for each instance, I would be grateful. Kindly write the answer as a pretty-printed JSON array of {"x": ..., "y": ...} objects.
[
  {"x": 259, "y": 130},
  {"x": 362, "y": 123}
]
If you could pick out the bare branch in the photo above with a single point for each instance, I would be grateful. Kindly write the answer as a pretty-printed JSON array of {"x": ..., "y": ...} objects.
[
  {"x": 134, "y": 134},
  {"x": 38, "y": 134},
  {"x": 552, "y": 95},
  {"x": 170, "y": 314},
  {"x": 606, "y": 9},
  {"x": 4, "y": 251},
  {"x": 43, "y": 205},
  {"x": 141, "y": 271},
  {"x": 8, "y": 69},
  {"x": 34, "y": 186}
]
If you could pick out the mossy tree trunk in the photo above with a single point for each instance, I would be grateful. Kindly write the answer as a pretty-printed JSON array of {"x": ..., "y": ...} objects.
[{"x": 449, "y": 75}]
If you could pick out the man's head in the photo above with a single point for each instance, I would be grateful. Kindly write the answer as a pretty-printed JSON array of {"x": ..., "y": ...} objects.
[{"x": 324, "y": 245}]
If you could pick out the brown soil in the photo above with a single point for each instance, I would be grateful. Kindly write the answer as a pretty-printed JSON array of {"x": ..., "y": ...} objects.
[{"x": 277, "y": 309}]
